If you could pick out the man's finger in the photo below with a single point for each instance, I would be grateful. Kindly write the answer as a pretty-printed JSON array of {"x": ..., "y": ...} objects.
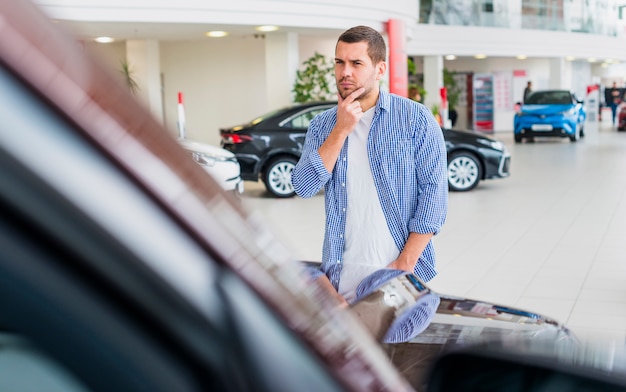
[{"x": 355, "y": 94}]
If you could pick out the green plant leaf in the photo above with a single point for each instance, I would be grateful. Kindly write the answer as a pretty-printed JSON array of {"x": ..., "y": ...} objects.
[{"x": 315, "y": 82}]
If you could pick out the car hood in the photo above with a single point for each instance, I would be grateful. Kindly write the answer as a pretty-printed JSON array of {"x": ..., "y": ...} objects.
[
  {"x": 472, "y": 138},
  {"x": 546, "y": 109},
  {"x": 467, "y": 134},
  {"x": 205, "y": 149}
]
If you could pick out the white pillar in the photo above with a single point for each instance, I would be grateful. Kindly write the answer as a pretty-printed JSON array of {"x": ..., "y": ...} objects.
[
  {"x": 144, "y": 60},
  {"x": 433, "y": 80},
  {"x": 557, "y": 74},
  {"x": 281, "y": 64}
]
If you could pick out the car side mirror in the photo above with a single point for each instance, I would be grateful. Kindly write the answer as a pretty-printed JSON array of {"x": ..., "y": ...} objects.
[{"x": 483, "y": 370}]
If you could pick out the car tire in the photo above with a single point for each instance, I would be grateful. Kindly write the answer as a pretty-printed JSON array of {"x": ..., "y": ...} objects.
[
  {"x": 576, "y": 136},
  {"x": 464, "y": 171},
  {"x": 518, "y": 138},
  {"x": 277, "y": 176}
]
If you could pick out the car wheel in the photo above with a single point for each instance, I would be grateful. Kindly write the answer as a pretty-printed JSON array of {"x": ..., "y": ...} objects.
[
  {"x": 464, "y": 171},
  {"x": 576, "y": 135},
  {"x": 518, "y": 138},
  {"x": 277, "y": 176}
]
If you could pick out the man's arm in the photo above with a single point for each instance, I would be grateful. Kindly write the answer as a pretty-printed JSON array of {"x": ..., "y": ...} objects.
[
  {"x": 349, "y": 113},
  {"x": 325, "y": 283},
  {"x": 415, "y": 245}
]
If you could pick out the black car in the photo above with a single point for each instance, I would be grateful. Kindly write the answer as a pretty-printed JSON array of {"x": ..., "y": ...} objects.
[{"x": 269, "y": 147}]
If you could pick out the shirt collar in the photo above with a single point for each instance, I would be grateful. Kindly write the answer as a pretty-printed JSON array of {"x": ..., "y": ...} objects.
[{"x": 384, "y": 101}]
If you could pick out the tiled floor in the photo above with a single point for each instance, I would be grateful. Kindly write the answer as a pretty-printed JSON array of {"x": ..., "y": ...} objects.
[{"x": 551, "y": 238}]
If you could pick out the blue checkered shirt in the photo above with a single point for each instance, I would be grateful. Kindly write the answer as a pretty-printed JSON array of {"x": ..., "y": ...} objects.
[{"x": 407, "y": 154}]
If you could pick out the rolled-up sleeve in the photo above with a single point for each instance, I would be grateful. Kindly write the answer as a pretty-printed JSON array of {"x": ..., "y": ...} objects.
[
  {"x": 431, "y": 161},
  {"x": 310, "y": 175}
]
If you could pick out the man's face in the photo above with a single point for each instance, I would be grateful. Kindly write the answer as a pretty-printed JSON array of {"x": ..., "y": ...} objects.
[{"x": 354, "y": 69}]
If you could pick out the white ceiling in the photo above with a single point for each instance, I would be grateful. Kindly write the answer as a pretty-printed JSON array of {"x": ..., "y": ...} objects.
[{"x": 122, "y": 31}]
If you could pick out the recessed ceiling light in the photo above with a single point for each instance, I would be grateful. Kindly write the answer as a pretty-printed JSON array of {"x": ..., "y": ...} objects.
[
  {"x": 521, "y": 57},
  {"x": 104, "y": 40},
  {"x": 267, "y": 28},
  {"x": 570, "y": 58},
  {"x": 216, "y": 34},
  {"x": 450, "y": 57},
  {"x": 480, "y": 56},
  {"x": 592, "y": 60}
]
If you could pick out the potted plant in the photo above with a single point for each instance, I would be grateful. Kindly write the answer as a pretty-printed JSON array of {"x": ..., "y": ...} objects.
[
  {"x": 129, "y": 77},
  {"x": 314, "y": 82},
  {"x": 453, "y": 92}
]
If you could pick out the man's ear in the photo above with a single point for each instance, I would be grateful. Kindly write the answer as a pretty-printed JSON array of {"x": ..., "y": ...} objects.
[{"x": 381, "y": 69}]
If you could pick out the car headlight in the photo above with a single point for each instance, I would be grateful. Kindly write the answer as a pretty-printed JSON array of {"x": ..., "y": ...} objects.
[
  {"x": 495, "y": 144},
  {"x": 207, "y": 160}
]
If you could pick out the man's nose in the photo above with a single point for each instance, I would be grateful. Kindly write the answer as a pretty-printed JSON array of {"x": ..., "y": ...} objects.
[{"x": 346, "y": 70}]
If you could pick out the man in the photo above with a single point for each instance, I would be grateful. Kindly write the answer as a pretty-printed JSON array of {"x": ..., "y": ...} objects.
[
  {"x": 381, "y": 160},
  {"x": 528, "y": 90},
  {"x": 613, "y": 99}
]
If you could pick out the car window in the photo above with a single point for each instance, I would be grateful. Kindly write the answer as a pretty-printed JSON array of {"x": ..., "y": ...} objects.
[
  {"x": 549, "y": 98},
  {"x": 303, "y": 119},
  {"x": 23, "y": 367}
]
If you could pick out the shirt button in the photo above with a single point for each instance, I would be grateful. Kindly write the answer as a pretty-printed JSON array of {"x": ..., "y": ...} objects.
[
  {"x": 343, "y": 184},
  {"x": 343, "y": 209},
  {"x": 344, "y": 158},
  {"x": 338, "y": 261},
  {"x": 340, "y": 235}
]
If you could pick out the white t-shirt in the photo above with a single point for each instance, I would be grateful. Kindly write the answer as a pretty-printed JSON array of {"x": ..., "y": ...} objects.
[{"x": 369, "y": 245}]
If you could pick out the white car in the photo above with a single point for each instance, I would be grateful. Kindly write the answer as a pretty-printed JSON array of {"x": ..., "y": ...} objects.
[{"x": 221, "y": 164}]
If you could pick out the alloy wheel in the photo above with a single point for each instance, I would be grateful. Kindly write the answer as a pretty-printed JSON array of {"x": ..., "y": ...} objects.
[{"x": 463, "y": 172}]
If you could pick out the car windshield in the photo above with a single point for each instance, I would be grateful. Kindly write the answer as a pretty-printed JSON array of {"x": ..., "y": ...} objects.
[{"x": 549, "y": 98}]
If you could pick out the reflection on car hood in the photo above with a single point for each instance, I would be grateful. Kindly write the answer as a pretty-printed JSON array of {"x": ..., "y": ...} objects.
[
  {"x": 434, "y": 323},
  {"x": 401, "y": 293}
]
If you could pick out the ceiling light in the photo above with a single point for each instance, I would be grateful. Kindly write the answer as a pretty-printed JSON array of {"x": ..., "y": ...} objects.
[
  {"x": 521, "y": 57},
  {"x": 450, "y": 57},
  {"x": 267, "y": 28},
  {"x": 216, "y": 34},
  {"x": 480, "y": 56},
  {"x": 592, "y": 59},
  {"x": 104, "y": 40},
  {"x": 570, "y": 58}
]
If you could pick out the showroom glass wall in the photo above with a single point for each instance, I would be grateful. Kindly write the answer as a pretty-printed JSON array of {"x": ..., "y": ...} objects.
[{"x": 586, "y": 16}]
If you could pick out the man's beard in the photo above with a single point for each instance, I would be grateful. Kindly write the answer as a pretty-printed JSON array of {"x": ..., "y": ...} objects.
[{"x": 344, "y": 93}]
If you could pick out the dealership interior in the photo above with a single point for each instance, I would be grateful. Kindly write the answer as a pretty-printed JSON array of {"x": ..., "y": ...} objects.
[{"x": 549, "y": 238}]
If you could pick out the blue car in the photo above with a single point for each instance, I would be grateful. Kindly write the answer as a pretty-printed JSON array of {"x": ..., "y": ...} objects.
[{"x": 554, "y": 113}]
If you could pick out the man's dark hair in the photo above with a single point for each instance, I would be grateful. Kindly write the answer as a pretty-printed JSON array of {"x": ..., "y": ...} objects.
[{"x": 376, "y": 47}]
